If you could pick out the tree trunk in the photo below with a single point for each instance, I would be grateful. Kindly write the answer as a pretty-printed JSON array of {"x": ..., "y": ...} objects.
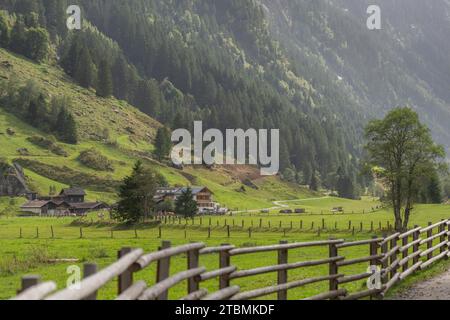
[{"x": 397, "y": 203}]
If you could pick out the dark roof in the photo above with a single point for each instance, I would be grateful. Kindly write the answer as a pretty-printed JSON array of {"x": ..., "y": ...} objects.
[
  {"x": 88, "y": 205},
  {"x": 42, "y": 203},
  {"x": 73, "y": 192},
  {"x": 34, "y": 204},
  {"x": 179, "y": 191}
]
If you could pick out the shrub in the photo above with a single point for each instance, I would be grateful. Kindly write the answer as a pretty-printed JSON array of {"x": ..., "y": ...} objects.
[
  {"x": 69, "y": 176},
  {"x": 95, "y": 160},
  {"x": 48, "y": 145}
]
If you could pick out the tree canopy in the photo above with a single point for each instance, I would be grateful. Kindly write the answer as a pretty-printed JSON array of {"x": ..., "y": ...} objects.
[
  {"x": 136, "y": 194},
  {"x": 185, "y": 205},
  {"x": 401, "y": 152}
]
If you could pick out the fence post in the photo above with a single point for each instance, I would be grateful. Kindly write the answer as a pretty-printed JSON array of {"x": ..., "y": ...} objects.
[
  {"x": 228, "y": 231},
  {"x": 193, "y": 262},
  {"x": 28, "y": 282},
  {"x": 90, "y": 269},
  {"x": 416, "y": 247},
  {"x": 448, "y": 229},
  {"x": 282, "y": 274},
  {"x": 373, "y": 251},
  {"x": 53, "y": 234},
  {"x": 224, "y": 262},
  {"x": 333, "y": 269},
  {"x": 126, "y": 278},
  {"x": 163, "y": 270},
  {"x": 442, "y": 238},
  {"x": 405, "y": 253},
  {"x": 430, "y": 243},
  {"x": 394, "y": 256},
  {"x": 81, "y": 233},
  {"x": 20, "y": 233},
  {"x": 37, "y": 232},
  {"x": 384, "y": 250},
  {"x": 249, "y": 232},
  {"x": 209, "y": 232}
]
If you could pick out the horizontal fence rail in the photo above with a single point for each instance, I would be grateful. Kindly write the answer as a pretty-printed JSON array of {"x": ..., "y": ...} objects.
[{"x": 392, "y": 257}]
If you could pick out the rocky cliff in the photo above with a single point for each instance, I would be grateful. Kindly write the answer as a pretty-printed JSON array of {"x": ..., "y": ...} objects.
[{"x": 12, "y": 181}]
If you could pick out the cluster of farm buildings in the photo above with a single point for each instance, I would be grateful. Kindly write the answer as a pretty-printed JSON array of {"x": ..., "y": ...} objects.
[{"x": 71, "y": 201}]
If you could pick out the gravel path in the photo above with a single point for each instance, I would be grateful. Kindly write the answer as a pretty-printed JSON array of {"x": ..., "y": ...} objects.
[{"x": 437, "y": 288}]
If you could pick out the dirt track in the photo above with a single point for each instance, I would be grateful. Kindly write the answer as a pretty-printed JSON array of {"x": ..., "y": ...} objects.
[{"x": 437, "y": 288}]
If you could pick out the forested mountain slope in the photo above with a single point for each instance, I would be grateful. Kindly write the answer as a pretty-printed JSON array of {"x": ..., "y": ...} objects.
[{"x": 405, "y": 63}]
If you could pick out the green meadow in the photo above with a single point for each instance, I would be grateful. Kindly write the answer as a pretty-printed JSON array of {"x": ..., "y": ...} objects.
[{"x": 27, "y": 244}]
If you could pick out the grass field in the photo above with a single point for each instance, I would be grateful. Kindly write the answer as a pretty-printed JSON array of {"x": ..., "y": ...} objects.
[{"x": 29, "y": 254}]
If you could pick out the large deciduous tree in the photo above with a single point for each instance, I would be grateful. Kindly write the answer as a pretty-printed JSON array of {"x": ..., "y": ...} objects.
[{"x": 401, "y": 152}]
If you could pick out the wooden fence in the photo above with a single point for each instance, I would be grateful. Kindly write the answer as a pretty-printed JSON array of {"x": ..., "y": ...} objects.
[
  {"x": 397, "y": 255},
  {"x": 272, "y": 225}
]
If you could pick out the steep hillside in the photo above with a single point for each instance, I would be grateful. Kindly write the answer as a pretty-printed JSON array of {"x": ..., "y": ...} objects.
[
  {"x": 44, "y": 168},
  {"x": 93, "y": 115}
]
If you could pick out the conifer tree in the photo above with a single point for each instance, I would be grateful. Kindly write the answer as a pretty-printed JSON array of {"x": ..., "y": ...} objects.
[
  {"x": 84, "y": 72},
  {"x": 163, "y": 143},
  {"x": 434, "y": 190},
  {"x": 18, "y": 37},
  {"x": 105, "y": 83},
  {"x": 136, "y": 194},
  {"x": 4, "y": 32},
  {"x": 185, "y": 205},
  {"x": 69, "y": 60},
  {"x": 37, "y": 44},
  {"x": 66, "y": 127},
  {"x": 314, "y": 184}
]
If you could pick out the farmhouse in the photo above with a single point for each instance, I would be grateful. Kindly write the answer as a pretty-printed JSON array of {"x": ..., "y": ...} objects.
[
  {"x": 43, "y": 207},
  {"x": 202, "y": 195},
  {"x": 69, "y": 201},
  {"x": 73, "y": 195}
]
